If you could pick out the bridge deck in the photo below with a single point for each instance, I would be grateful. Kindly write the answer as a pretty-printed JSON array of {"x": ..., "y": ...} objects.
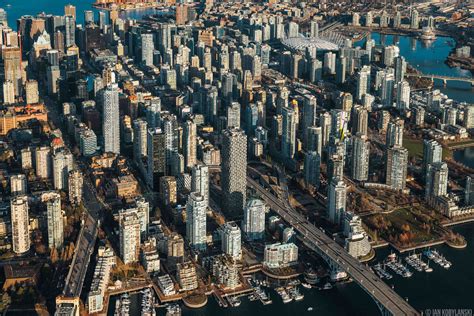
[{"x": 324, "y": 245}]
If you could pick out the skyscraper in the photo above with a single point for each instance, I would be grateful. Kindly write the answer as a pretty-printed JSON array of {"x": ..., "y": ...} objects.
[
  {"x": 196, "y": 221},
  {"x": 400, "y": 68},
  {"x": 234, "y": 171},
  {"x": 360, "y": 120},
  {"x": 148, "y": 48},
  {"x": 395, "y": 133},
  {"x": 468, "y": 121},
  {"x": 360, "y": 157},
  {"x": 43, "y": 162},
  {"x": 233, "y": 115},
  {"x": 69, "y": 9},
  {"x": 32, "y": 95},
  {"x": 309, "y": 114},
  {"x": 75, "y": 184},
  {"x": 8, "y": 92},
  {"x": 432, "y": 153},
  {"x": 139, "y": 139},
  {"x": 231, "y": 240},
  {"x": 397, "y": 161},
  {"x": 335, "y": 167},
  {"x": 18, "y": 184},
  {"x": 19, "y": 220},
  {"x": 189, "y": 143},
  {"x": 129, "y": 237},
  {"x": 253, "y": 224},
  {"x": 55, "y": 219},
  {"x": 156, "y": 156},
  {"x": 62, "y": 164},
  {"x": 363, "y": 82},
  {"x": 341, "y": 70},
  {"x": 403, "y": 96},
  {"x": 12, "y": 67},
  {"x": 337, "y": 200},
  {"x": 88, "y": 16},
  {"x": 436, "y": 180},
  {"x": 386, "y": 93},
  {"x": 315, "y": 139},
  {"x": 70, "y": 25},
  {"x": 414, "y": 20},
  {"x": 288, "y": 142},
  {"x": 200, "y": 181},
  {"x": 111, "y": 123},
  {"x": 312, "y": 163}
]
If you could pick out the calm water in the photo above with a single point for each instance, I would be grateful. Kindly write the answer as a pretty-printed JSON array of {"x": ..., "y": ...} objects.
[
  {"x": 466, "y": 156},
  {"x": 441, "y": 289},
  {"x": 429, "y": 59},
  {"x": 17, "y": 8}
]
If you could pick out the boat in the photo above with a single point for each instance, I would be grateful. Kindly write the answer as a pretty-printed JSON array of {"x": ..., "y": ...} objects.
[
  {"x": 148, "y": 302},
  {"x": 234, "y": 301},
  {"x": 338, "y": 276},
  {"x": 296, "y": 294},
  {"x": 327, "y": 286},
  {"x": 173, "y": 309},
  {"x": 437, "y": 258},
  {"x": 392, "y": 256},
  {"x": 306, "y": 285},
  {"x": 124, "y": 305},
  {"x": 118, "y": 306},
  {"x": 284, "y": 295},
  {"x": 310, "y": 276}
]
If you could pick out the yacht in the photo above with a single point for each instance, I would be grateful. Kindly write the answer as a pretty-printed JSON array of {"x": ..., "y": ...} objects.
[
  {"x": 310, "y": 276},
  {"x": 284, "y": 295},
  {"x": 327, "y": 286},
  {"x": 296, "y": 294}
]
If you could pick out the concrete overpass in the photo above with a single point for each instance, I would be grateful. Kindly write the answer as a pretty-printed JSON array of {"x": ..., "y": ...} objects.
[{"x": 388, "y": 301}]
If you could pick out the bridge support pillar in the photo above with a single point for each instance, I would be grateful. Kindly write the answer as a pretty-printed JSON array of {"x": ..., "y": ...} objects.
[{"x": 445, "y": 82}]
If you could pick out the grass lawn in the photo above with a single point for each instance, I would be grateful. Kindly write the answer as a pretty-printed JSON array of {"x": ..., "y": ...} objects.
[
  {"x": 406, "y": 216},
  {"x": 415, "y": 148}
]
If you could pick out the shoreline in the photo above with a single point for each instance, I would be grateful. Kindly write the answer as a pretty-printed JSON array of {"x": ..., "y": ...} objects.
[{"x": 127, "y": 8}]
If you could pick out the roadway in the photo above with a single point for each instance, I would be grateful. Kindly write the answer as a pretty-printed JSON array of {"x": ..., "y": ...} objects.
[
  {"x": 85, "y": 243},
  {"x": 318, "y": 241},
  {"x": 86, "y": 239}
]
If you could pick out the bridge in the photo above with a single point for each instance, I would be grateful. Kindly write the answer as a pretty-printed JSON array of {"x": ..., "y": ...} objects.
[
  {"x": 387, "y": 300},
  {"x": 85, "y": 243},
  {"x": 445, "y": 79}
]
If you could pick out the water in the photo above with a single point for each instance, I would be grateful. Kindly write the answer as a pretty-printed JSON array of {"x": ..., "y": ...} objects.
[
  {"x": 430, "y": 59},
  {"x": 466, "y": 156},
  {"x": 17, "y": 8},
  {"x": 440, "y": 289}
]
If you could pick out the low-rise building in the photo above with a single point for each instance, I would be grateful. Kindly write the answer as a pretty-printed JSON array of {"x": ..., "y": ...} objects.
[
  {"x": 357, "y": 241},
  {"x": 226, "y": 271},
  {"x": 100, "y": 280},
  {"x": 150, "y": 256},
  {"x": 280, "y": 255},
  {"x": 166, "y": 285},
  {"x": 187, "y": 277}
]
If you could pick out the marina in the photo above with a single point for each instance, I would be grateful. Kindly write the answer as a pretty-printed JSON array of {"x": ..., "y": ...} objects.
[
  {"x": 148, "y": 302},
  {"x": 414, "y": 260},
  {"x": 438, "y": 258},
  {"x": 122, "y": 305}
]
